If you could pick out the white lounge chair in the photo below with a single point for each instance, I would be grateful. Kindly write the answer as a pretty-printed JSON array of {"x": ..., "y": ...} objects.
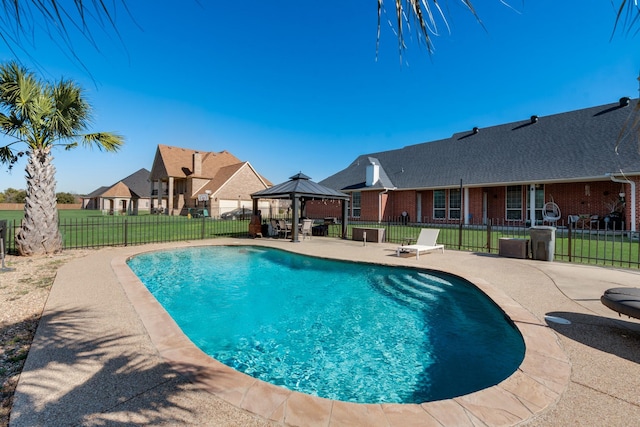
[
  {"x": 306, "y": 229},
  {"x": 426, "y": 242},
  {"x": 284, "y": 228}
]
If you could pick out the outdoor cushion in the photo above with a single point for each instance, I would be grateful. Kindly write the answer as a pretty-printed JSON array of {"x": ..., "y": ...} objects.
[{"x": 623, "y": 300}]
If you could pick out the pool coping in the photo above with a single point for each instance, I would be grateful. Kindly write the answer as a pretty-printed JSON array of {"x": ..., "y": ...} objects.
[{"x": 538, "y": 382}]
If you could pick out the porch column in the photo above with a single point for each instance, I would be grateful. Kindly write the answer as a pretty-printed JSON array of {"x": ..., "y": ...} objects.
[
  {"x": 170, "y": 196},
  {"x": 159, "y": 195},
  {"x": 151, "y": 195},
  {"x": 633, "y": 206},
  {"x": 532, "y": 204},
  {"x": 466, "y": 206}
]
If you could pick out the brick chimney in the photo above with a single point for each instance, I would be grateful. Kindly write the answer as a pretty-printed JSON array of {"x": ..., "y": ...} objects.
[{"x": 197, "y": 164}]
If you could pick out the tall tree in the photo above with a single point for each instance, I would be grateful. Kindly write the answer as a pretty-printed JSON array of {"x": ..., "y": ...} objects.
[
  {"x": 43, "y": 115},
  {"x": 11, "y": 195},
  {"x": 66, "y": 198}
]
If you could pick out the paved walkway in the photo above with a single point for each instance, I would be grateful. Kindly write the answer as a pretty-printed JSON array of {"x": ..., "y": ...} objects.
[{"x": 105, "y": 354}]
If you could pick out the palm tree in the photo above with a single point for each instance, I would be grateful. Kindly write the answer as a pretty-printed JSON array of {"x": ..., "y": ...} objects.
[{"x": 42, "y": 115}]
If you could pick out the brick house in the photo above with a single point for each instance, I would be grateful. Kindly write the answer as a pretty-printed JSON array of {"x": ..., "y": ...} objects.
[
  {"x": 586, "y": 161},
  {"x": 182, "y": 178},
  {"x": 128, "y": 196}
]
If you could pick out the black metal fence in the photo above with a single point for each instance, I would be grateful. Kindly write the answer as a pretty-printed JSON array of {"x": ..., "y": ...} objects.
[{"x": 601, "y": 246}]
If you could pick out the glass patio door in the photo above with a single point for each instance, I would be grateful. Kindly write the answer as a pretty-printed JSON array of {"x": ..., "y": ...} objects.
[{"x": 539, "y": 204}]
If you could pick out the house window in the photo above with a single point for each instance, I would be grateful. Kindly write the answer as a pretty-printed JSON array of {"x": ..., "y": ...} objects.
[
  {"x": 514, "y": 203},
  {"x": 454, "y": 203},
  {"x": 355, "y": 205},
  {"x": 439, "y": 204}
]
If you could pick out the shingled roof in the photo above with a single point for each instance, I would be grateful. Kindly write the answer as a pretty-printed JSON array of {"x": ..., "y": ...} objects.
[
  {"x": 138, "y": 183},
  {"x": 299, "y": 185},
  {"x": 119, "y": 190},
  {"x": 216, "y": 167},
  {"x": 574, "y": 146},
  {"x": 177, "y": 162},
  {"x": 135, "y": 185}
]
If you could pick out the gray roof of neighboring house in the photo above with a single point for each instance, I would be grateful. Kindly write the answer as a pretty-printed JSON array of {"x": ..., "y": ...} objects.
[
  {"x": 574, "y": 146},
  {"x": 138, "y": 183},
  {"x": 97, "y": 192}
]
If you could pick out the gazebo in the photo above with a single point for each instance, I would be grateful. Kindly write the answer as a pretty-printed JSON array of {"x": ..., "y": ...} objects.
[{"x": 299, "y": 189}]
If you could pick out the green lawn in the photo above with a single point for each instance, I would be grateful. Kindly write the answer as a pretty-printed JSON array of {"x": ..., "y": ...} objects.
[
  {"x": 16, "y": 215},
  {"x": 91, "y": 229}
]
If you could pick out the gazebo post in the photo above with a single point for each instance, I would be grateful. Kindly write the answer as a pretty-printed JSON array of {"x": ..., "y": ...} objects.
[{"x": 296, "y": 218}]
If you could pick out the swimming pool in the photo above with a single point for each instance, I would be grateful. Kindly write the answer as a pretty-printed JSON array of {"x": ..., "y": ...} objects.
[{"x": 346, "y": 331}]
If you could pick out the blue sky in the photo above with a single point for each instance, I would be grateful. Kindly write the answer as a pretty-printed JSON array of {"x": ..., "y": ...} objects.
[{"x": 296, "y": 86}]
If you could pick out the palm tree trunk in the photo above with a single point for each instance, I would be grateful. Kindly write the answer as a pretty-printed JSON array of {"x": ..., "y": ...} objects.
[{"x": 39, "y": 233}]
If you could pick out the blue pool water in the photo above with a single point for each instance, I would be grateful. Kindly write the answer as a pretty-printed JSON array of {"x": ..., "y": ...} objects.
[{"x": 345, "y": 331}]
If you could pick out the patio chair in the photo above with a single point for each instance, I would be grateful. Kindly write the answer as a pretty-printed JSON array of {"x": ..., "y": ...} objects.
[
  {"x": 551, "y": 213},
  {"x": 426, "y": 242},
  {"x": 283, "y": 228},
  {"x": 273, "y": 228},
  {"x": 307, "y": 228}
]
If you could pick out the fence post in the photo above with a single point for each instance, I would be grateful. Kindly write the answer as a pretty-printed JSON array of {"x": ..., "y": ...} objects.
[
  {"x": 12, "y": 238},
  {"x": 569, "y": 228},
  {"x": 202, "y": 231},
  {"x": 488, "y": 235},
  {"x": 460, "y": 235},
  {"x": 126, "y": 230}
]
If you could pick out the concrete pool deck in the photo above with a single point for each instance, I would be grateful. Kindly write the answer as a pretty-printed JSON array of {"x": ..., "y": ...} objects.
[{"x": 105, "y": 353}]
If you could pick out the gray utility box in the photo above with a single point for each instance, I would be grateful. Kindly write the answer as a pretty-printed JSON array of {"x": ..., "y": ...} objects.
[
  {"x": 513, "y": 248},
  {"x": 371, "y": 234},
  {"x": 543, "y": 243}
]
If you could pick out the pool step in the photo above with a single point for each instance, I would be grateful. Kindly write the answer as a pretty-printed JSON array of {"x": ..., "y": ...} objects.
[{"x": 409, "y": 290}]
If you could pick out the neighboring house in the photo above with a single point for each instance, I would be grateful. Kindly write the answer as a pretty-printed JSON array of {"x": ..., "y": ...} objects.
[
  {"x": 586, "y": 161},
  {"x": 218, "y": 182},
  {"x": 127, "y": 196}
]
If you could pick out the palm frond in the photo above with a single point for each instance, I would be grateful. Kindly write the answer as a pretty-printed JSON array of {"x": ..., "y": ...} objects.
[
  {"x": 10, "y": 125},
  {"x": 627, "y": 17},
  {"x": 71, "y": 112},
  {"x": 61, "y": 21},
  {"x": 9, "y": 156},
  {"x": 6, "y": 154},
  {"x": 104, "y": 141},
  {"x": 630, "y": 128},
  {"x": 424, "y": 14}
]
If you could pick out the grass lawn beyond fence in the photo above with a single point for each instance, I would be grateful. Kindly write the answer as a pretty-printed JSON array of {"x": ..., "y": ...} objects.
[{"x": 90, "y": 229}]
